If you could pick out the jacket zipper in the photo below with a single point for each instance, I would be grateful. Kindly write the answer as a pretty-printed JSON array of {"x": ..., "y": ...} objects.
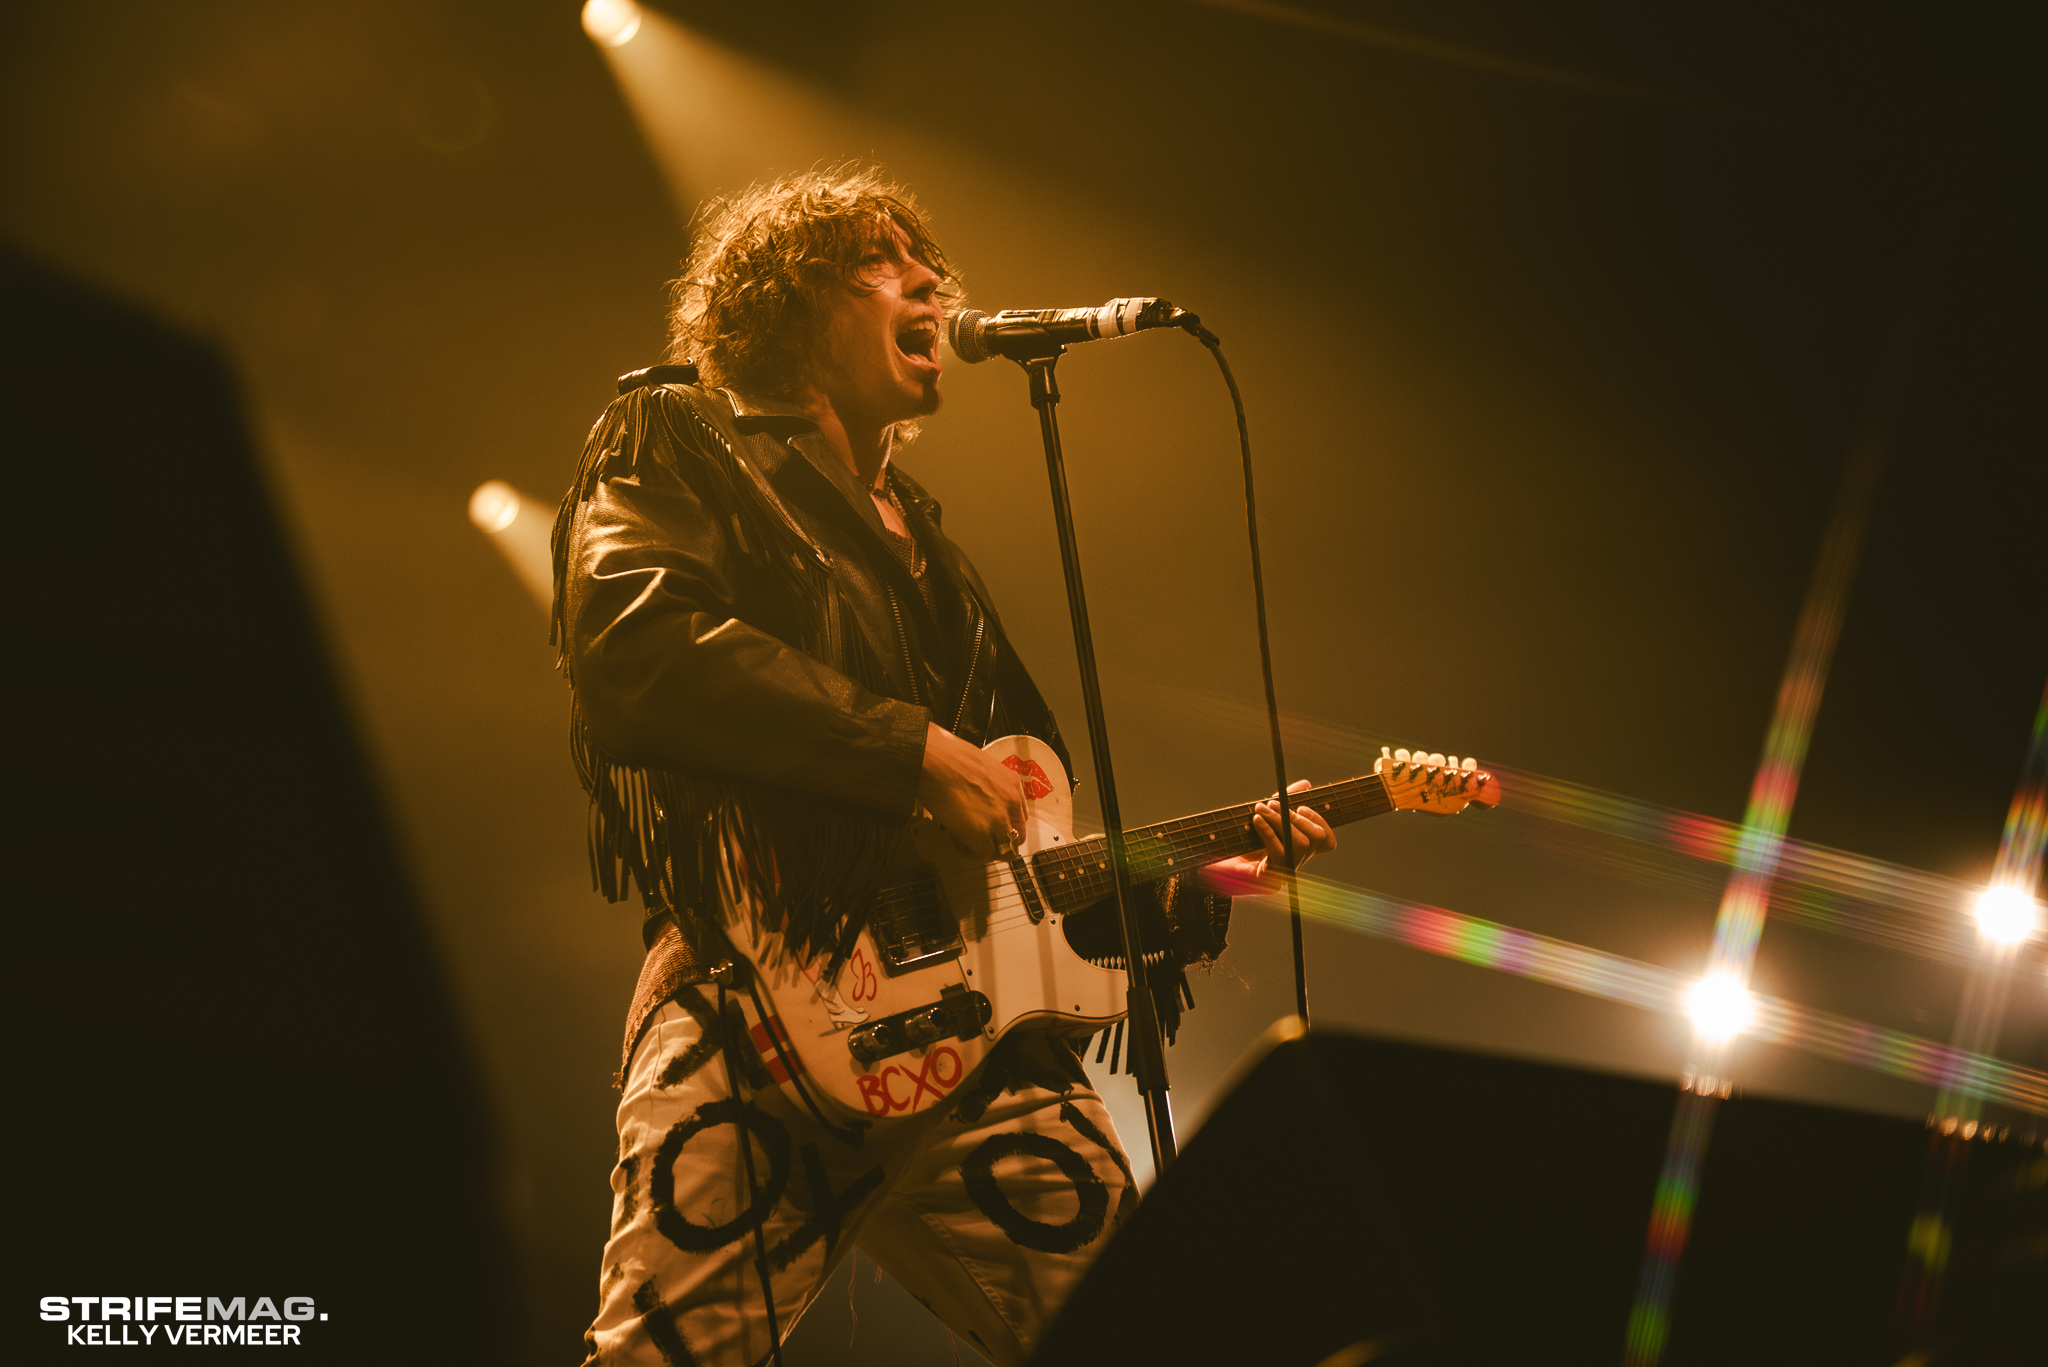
[
  {"x": 973, "y": 660},
  {"x": 903, "y": 643}
]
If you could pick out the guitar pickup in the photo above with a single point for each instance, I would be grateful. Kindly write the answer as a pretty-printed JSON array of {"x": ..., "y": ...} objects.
[
  {"x": 957, "y": 1014},
  {"x": 912, "y": 925}
]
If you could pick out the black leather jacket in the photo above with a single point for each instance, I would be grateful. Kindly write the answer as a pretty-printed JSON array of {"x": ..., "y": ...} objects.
[{"x": 749, "y": 660}]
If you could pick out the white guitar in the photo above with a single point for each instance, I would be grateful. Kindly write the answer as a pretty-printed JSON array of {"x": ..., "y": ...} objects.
[{"x": 957, "y": 952}]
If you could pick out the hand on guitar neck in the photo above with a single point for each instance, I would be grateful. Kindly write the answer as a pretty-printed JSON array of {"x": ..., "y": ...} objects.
[
  {"x": 969, "y": 792},
  {"x": 981, "y": 803},
  {"x": 1244, "y": 876}
]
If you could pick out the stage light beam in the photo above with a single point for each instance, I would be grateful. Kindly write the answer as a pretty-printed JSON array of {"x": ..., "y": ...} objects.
[
  {"x": 2006, "y": 917},
  {"x": 611, "y": 22},
  {"x": 520, "y": 527}
]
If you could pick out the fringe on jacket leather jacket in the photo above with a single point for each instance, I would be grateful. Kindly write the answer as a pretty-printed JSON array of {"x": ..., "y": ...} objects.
[{"x": 751, "y": 665}]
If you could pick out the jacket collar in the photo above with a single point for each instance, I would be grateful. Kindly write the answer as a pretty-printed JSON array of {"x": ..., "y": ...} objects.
[
  {"x": 790, "y": 430},
  {"x": 774, "y": 418},
  {"x": 796, "y": 431}
]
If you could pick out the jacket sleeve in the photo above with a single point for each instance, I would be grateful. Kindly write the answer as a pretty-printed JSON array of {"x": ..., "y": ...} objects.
[{"x": 666, "y": 674}]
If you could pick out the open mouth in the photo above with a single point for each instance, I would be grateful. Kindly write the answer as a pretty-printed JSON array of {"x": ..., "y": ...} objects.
[{"x": 920, "y": 341}]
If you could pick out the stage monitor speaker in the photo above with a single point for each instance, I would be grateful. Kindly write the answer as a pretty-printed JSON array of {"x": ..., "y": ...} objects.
[{"x": 1358, "y": 1200}]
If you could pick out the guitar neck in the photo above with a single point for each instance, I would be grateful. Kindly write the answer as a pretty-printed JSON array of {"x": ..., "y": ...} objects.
[{"x": 1075, "y": 875}]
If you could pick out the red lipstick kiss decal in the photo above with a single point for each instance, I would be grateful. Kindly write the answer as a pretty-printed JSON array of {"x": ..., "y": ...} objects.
[{"x": 1036, "y": 785}]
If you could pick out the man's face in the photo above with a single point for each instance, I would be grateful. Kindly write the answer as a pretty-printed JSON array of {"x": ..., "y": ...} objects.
[{"x": 877, "y": 356}]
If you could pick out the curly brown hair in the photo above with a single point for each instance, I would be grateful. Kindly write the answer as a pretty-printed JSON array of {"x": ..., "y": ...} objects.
[{"x": 748, "y": 303}]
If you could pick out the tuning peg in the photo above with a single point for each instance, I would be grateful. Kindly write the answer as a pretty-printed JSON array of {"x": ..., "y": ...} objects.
[
  {"x": 1471, "y": 764},
  {"x": 1450, "y": 761},
  {"x": 1436, "y": 761},
  {"x": 1401, "y": 756}
]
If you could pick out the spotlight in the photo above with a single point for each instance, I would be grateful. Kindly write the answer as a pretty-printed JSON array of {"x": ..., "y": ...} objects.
[
  {"x": 494, "y": 506},
  {"x": 2006, "y": 917},
  {"x": 520, "y": 527},
  {"x": 1720, "y": 1007},
  {"x": 611, "y": 22}
]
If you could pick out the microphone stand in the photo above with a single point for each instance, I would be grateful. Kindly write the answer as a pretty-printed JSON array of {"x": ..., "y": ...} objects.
[{"x": 1147, "y": 1047}]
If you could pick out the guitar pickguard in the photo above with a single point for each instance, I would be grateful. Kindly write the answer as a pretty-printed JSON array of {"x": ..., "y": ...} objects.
[
  {"x": 842, "y": 1015},
  {"x": 956, "y": 953}
]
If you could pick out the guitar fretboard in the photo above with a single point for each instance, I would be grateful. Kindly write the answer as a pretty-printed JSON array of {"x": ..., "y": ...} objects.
[{"x": 1075, "y": 875}]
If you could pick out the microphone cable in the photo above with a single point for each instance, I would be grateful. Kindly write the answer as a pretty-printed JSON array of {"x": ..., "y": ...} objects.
[{"x": 1192, "y": 325}]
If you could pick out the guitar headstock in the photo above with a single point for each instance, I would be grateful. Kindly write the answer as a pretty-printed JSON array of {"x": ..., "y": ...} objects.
[{"x": 1442, "y": 785}]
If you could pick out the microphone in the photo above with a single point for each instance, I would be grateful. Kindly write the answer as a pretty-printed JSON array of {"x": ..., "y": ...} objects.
[{"x": 1029, "y": 334}]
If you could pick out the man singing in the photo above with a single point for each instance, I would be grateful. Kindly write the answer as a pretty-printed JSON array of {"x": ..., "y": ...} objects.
[{"x": 777, "y": 657}]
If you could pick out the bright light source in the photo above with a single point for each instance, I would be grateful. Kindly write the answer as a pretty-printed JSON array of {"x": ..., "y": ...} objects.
[
  {"x": 521, "y": 528},
  {"x": 2007, "y": 917},
  {"x": 494, "y": 506},
  {"x": 1720, "y": 1007},
  {"x": 611, "y": 22}
]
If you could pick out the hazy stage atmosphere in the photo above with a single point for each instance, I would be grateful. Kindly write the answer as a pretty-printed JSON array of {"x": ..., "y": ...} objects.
[{"x": 1644, "y": 404}]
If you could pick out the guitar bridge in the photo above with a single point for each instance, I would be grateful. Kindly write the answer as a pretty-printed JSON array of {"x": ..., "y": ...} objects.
[
  {"x": 957, "y": 1014},
  {"x": 913, "y": 926}
]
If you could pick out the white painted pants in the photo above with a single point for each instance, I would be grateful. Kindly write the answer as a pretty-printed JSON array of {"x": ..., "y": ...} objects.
[{"x": 988, "y": 1209}]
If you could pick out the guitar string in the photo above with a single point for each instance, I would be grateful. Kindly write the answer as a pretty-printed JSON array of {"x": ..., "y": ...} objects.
[
  {"x": 1096, "y": 881},
  {"x": 1008, "y": 906},
  {"x": 1371, "y": 793},
  {"x": 1003, "y": 907},
  {"x": 1094, "y": 878},
  {"x": 1186, "y": 839},
  {"x": 1331, "y": 795}
]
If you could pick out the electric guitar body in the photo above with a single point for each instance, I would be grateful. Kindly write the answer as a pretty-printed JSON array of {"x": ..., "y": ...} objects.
[{"x": 958, "y": 952}]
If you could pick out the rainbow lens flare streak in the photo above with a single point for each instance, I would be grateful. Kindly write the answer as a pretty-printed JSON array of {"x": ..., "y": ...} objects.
[
  {"x": 1739, "y": 924},
  {"x": 1740, "y": 921},
  {"x": 1671, "y": 1209},
  {"x": 2018, "y": 867},
  {"x": 2021, "y": 847},
  {"x": 1613, "y": 977},
  {"x": 1823, "y": 889}
]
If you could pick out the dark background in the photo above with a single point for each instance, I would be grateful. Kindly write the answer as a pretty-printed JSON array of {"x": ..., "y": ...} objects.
[{"x": 1555, "y": 325}]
